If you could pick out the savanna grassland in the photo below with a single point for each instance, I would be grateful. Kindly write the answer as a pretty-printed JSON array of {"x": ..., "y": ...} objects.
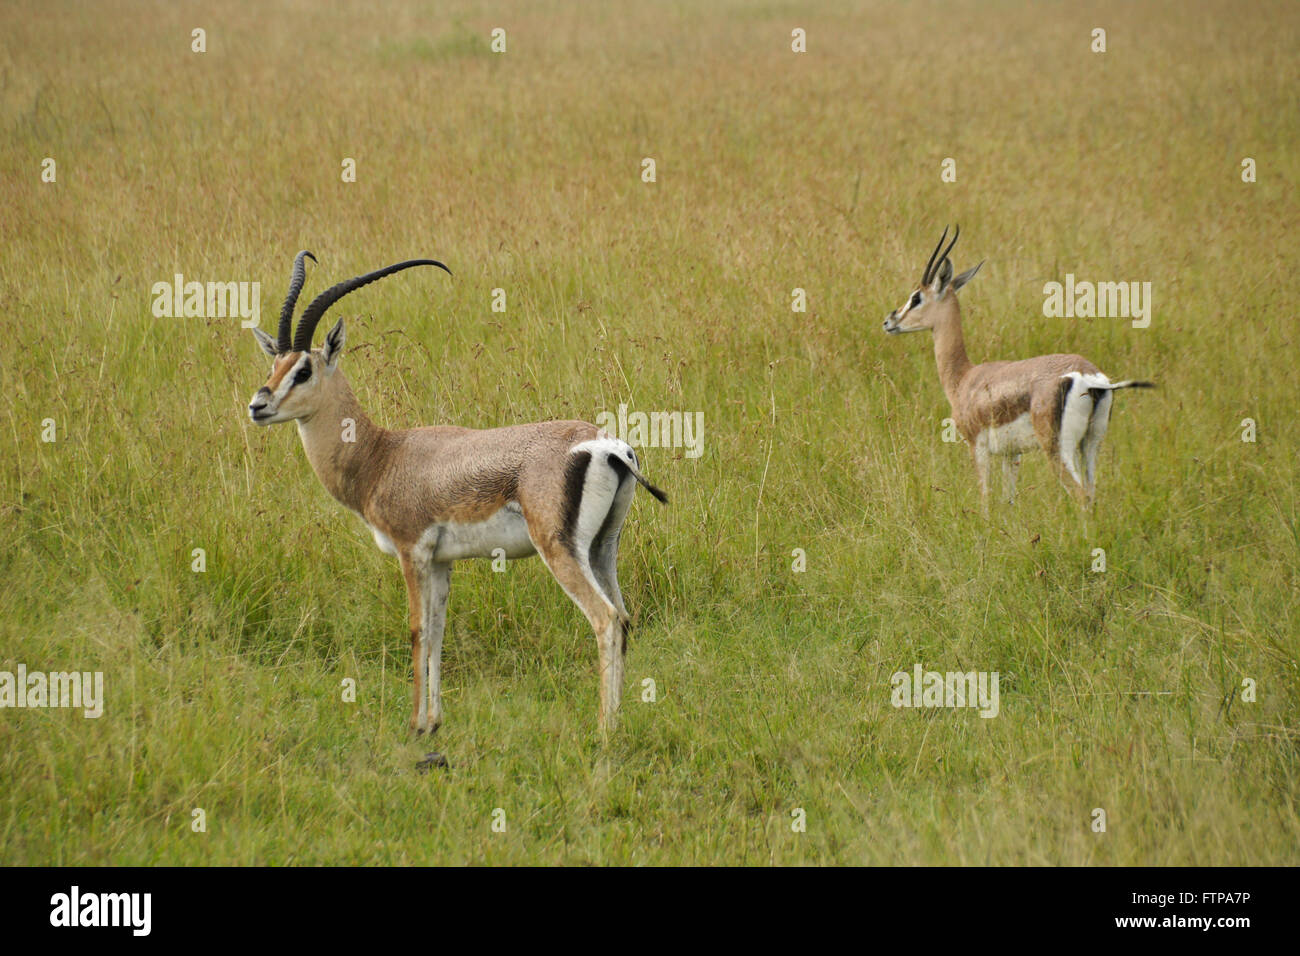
[{"x": 1120, "y": 690}]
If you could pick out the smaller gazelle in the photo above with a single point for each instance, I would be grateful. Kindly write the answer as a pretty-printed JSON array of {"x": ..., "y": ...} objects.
[
  {"x": 1060, "y": 403},
  {"x": 432, "y": 496}
]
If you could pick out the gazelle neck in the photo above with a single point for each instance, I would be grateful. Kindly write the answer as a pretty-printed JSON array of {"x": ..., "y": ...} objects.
[
  {"x": 342, "y": 443},
  {"x": 950, "y": 347}
]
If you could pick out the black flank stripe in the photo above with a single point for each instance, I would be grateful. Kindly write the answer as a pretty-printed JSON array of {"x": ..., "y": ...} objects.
[
  {"x": 1061, "y": 395},
  {"x": 575, "y": 476}
]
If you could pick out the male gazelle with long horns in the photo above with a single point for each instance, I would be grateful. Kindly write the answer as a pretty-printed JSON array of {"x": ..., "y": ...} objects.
[
  {"x": 1060, "y": 403},
  {"x": 433, "y": 496}
]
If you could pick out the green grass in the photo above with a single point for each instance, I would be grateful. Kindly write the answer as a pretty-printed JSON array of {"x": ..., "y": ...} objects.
[{"x": 775, "y": 171}]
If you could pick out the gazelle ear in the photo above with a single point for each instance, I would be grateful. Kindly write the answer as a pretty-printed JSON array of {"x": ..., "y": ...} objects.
[
  {"x": 334, "y": 344},
  {"x": 267, "y": 343},
  {"x": 943, "y": 275},
  {"x": 965, "y": 277}
]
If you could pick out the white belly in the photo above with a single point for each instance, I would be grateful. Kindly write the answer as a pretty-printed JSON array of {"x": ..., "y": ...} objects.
[
  {"x": 505, "y": 532},
  {"x": 1013, "y": 438}
]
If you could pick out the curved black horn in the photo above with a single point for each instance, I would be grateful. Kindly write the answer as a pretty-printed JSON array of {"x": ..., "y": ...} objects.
[
  {"x": 312, "y": 315},
  {"x": 944, "y": 255},
  {"x": 925, "y": 276},
  {"x": 286, "y": 311}
]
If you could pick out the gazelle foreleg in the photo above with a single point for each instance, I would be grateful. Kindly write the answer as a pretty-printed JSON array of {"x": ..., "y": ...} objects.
[
  {"x": 427, "y": 586},
  {"x": 415, "y": 618},
  {"x": 1010, "y": 472},
  {"x": 979, "y": 453},
  {"x": 436, "y": 585}
]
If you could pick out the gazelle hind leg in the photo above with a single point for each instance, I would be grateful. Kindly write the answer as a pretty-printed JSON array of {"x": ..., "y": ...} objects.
[
  {"x": 1076, "y": 416},
  {"x": 1092, "y": 440},
  {"x": 604, "y": 547},
  {"x": 593, "y": 488},
  {"x": 605, "y": 620}
]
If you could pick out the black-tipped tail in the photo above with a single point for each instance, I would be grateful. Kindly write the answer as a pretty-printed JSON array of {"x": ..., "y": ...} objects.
[
  {"x": 658, "y": 493},
  {"x": 620, "y": 463}
]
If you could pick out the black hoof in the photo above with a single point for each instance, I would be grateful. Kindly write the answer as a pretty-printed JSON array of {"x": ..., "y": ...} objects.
[{"x": 432, "y": 759}]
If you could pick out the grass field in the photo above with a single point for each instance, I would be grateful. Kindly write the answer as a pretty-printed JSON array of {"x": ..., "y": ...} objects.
[{"x": 1120, "y": 690}]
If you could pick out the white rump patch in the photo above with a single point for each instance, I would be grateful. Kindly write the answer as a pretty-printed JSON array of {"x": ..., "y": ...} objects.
[
  {"x": 607, "y": 445},
  {"x": 1076, "y": 417},
  {"x": 598, "y": 490}
]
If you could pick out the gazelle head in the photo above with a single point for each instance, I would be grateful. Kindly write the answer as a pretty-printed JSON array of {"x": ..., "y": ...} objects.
[
  {"x": 300, "y": 374},
  {"x": 937, "y": 286}
]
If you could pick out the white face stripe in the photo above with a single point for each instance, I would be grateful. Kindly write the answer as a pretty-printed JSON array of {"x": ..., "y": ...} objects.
[
  {"x": 286, "y": 383},
  {"x": 907, "y": 306}
]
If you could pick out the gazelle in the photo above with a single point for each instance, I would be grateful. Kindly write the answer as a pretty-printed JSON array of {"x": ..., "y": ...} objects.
[
  {"x": 433, "y": 496},
  {"x": 1060, "y": 403}
]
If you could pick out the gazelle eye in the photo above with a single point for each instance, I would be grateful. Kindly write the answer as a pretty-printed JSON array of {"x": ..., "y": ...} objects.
[
  {"x": 916, "y": 300},
  {"x": 304, "y": 373}
]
